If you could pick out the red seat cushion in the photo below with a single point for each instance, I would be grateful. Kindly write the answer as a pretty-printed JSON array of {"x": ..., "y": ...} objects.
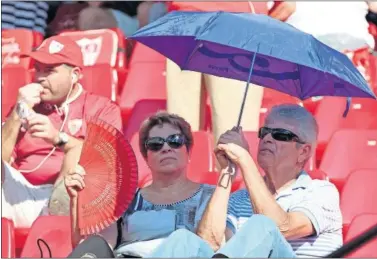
[
  {"x": 349, "y": 150},
  {"x": 359, "y": 195},
  {"x": 55, "y": 231},
  {"x": 7, "y": 238},
  {"x": 359, "y": 225}
]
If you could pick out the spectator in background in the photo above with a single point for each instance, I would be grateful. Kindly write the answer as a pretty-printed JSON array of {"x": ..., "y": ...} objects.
[
  {"x": 30, "y": 15},
  {"x": 341, "y": 25},
  {"x": 35, "y": 141},
  {"x": 171, "y": 202},
  {"x": 129, "y": 16}
]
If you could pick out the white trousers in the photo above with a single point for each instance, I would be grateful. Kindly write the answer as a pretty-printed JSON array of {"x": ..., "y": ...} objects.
[{"x": 21, "y": 201}]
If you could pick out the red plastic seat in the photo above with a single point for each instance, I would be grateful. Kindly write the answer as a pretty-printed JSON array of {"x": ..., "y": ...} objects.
[
  {"x": 349, "y": 150},
  {"x": 271, "y": 98},
  {"x": 359, "y": 195},
  {"x": 100, "y": 79},
  {"x": 141, "y": 111},
  {"x": 201, "y": 157},
  {"x": 13, "y": 78},
  {"x": 55, "y": 231},
  {"x": 145, "y": 80},
  {"x": 359, "y": 225},
  {"x": 7, "y": 239},
  {"x": 329, "y": 115},
  {"x": 17, "y": 41}
]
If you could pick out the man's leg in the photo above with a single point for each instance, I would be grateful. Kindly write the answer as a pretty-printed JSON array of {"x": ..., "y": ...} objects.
[
  {"x": 183, "y": 244},
  {"x": 258, "y": 237},
  {"x": 21, "y": 201},
  {"x": 184, "y": 94},
  {"x": 226, "y": 98}
]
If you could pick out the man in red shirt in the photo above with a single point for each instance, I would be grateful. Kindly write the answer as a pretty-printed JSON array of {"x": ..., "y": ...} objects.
[{"x": 34, "y": 147}]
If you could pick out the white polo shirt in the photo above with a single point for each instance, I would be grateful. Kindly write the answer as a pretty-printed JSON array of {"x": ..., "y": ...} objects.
[{"x": 317, "y": 199}]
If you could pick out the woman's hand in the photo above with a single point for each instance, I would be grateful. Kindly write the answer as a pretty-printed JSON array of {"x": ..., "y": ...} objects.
[{"x": 74, "y": 181}]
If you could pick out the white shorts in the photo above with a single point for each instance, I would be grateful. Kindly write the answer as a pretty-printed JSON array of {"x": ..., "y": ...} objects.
[{"x": 21, "y": 201}]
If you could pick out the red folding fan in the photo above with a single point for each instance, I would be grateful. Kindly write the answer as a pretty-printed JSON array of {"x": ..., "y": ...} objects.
[{"x": 110, "y": 179}]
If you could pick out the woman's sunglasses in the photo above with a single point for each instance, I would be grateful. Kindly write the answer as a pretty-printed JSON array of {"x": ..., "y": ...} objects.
[
  {"x": 279, "y": 135},
  {"x": 156, "y": 143}
]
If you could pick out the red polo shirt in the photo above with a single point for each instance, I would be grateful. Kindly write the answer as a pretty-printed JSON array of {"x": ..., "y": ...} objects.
[{"x": 29, "y": 152}]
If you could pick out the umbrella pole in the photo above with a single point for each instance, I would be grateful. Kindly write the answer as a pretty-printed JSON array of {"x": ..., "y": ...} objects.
[{"x": 246, "y": 90}]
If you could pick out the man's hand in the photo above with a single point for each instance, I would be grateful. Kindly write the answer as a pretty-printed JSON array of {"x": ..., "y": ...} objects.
[
  {"x": 31, "y": 94},
  {"x": 40, "y": 126},
  {"x": 237, "y": 154},
  {"x": 234, "y": 136},
  {"x": 281, "y": 10}
]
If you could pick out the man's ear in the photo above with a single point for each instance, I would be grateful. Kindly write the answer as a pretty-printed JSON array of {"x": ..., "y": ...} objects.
[{"x": 304, "y": 153}]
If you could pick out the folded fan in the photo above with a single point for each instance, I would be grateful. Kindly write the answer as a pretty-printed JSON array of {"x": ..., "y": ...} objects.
[{"x": 110, "y": 179}]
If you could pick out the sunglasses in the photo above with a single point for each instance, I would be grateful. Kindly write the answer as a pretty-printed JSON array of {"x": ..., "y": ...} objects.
[
  {"x": 156, "y": 143},
  {"x": 279, "y": 135}
]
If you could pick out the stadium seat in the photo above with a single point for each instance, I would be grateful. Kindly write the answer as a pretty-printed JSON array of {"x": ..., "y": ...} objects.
[
  {"x": 359, "y": 225},
  {"x": 13, "y": 77},
  {"x": 201, "y": 156},
  {"x": 55, "y": 231},
  {"x": 100, "y": 79},
  {"x": 349, "y": 150},
  {"x": 15, "y": 42},
  {"x": 20, "y": 236},
  {"x": 329, "y": 115},
  {"x": 145, "y": 79},
  {"x": 7, "y": 239},
  {"x": 271, "y": 98},
  {"x": 359, "y": 195},
  {"x": 101, "y": 48},
  {"x": 141, "y": 111}
]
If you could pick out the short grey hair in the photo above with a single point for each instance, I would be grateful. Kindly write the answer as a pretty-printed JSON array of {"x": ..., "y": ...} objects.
[{"x": 304, "y": 121}]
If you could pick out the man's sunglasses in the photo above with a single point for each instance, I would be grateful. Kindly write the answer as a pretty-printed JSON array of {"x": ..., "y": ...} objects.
[
  {"x": 279, "y": 135},
  {"x": 156, "y": 143}
]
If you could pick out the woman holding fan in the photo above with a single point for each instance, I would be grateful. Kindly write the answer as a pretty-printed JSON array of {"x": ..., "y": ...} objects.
[{"x": 171, "y": 202}]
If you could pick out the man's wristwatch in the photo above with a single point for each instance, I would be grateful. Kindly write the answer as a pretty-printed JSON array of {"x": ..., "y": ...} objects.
[{"x": 63, "y": 139}]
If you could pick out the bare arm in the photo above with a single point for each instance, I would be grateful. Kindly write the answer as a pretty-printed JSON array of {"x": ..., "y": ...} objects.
[
  {"x": 9, "y": 131},
  {"x": 292, "y": 225},
  {"x": 213, "y": 223},
  {"x": 282, "y": 10},
  {"x": 372, "y": 6}
]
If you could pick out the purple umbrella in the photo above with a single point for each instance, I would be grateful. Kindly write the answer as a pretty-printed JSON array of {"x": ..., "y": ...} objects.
[{"x": 254, "y": 48}]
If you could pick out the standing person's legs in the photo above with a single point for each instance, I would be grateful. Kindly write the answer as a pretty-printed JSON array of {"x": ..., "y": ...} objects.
[
  {"x": 21, "y": 201},
  {"x": 259, "y": 237},
  {"x": 226, "y": 98},
  {"x": 183, "y": 244},
  {"x": 184, "y": 94}
]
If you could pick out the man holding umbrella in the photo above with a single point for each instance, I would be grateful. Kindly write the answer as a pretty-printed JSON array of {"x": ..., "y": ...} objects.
[{"x": 284, "y": 214}]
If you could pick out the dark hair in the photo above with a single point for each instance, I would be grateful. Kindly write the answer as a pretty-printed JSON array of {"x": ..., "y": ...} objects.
[{"x": 160, "y": 118}]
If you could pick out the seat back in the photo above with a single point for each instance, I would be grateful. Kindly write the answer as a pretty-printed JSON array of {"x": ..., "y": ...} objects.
[
  {"x": 359, "y": 195},
  {"x": 13, "y": 77},
  {"x": 55, "y": 231},
  {"x": 7, "y": 239},
  {"x": 97, "y": 46},
  {"x": 141, "y": 111},
  {"x": 145, "y": 79},
  {"x": 347, "y": 151},
  {"x": 359, "y": 225},
  {"x": 329, "y": 116},
  {"x": 17, "y": 41}
]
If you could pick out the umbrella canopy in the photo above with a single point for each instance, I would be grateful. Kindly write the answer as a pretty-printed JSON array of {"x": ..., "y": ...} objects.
[{"x": 226, "y": 44}]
